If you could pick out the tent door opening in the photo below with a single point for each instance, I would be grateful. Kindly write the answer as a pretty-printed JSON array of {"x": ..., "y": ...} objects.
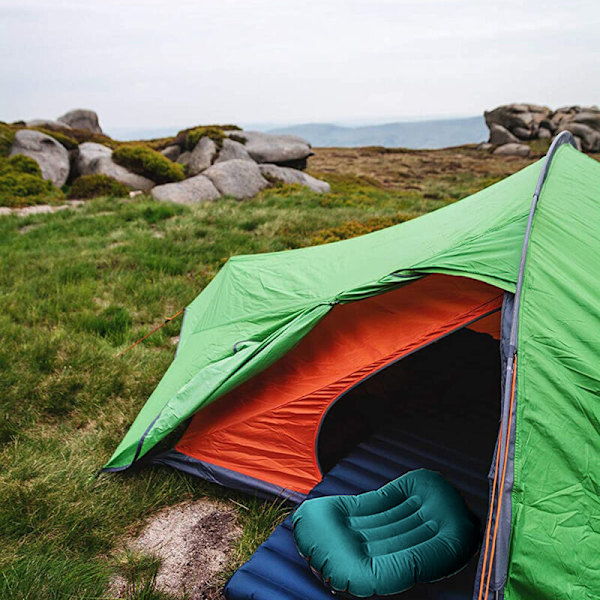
[{"x": 441, "y": 404}]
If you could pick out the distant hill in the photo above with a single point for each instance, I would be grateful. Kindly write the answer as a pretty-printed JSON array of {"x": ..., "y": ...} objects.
[{"x": 439, "y": 133}]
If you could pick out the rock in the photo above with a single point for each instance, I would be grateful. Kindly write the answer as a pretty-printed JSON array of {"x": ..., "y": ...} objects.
[
  {"x": 485, "y": 146},
  {"x": 500, "y": 135},
  {"x": 202, "y": 156},
  {"x": 513, "y": 150},
  {"x": 232, "y": 150},
  {"x": 238, "y": 178},
  {"x": 81, "y": 118},
  {"x": 283, "y": 150},
  {"x": 47, "y": 124},
  {"x": 588, "y": 117},
  {"x": 51, "y": 156},
  {"x": 288, "y": 175},
  {"x": 590, "y": 138},
  {"x": 189, "y": 191},
  {"x": 544, "y": 133},
  {"x": 522, "y": 120},
  {"x": 95, "y": 158},
  {"x": 172, "y": 152},
  {"x": 184, "y": 158}
]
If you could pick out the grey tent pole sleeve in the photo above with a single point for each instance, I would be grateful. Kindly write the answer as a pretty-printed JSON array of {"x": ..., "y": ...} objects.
[{"x": 565, "y": 137}]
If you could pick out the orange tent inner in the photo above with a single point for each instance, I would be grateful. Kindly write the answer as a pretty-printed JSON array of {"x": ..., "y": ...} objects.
[{"x": 267, "y": 428}]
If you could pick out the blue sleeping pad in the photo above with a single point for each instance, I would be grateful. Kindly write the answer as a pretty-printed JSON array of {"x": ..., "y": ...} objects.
[{"x": 276, "y": 571}]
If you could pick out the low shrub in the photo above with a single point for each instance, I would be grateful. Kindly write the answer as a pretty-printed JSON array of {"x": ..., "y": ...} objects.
[
  {"x": 7, "y": 135},
  {"x": 188, "y": 138},
  {"x": 20, "y": 189},
  {"x": 21, "y": 183},
  {"x": 149, "y": 163},
  {"x": 21, "y": 164},
  {"x": 193, "y": 137},
  {"x": 92, "y": 186}
]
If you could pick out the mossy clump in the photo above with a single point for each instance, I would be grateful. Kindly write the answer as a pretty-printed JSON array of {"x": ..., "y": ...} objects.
[
  {"x": 7, "y": 136},
  {"x": 193, "y": 137},
  {"x": 93, "y": 186},
  {"x": 149, "y": 163},
  {"x": 21, "y": 183},
  {"x": 188, "y": 138},
  {"x": 21, "y": 164},
  {"x": 67, "y": 141}
]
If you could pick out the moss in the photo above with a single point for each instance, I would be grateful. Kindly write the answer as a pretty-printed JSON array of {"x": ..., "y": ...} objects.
[
  {"x": 7, "y": 135},
  {"x": 92, "y": 186},
  {"x": 67, "y": 141},
  {"x": 21, "y": 164},
  {"x": 149, "y": 163},
  {"x": 193, "y": 137},
  {"x": 22, "y": 189},
  {"x": 21, "y": 183},
  {"x": 237, "y": 138}
]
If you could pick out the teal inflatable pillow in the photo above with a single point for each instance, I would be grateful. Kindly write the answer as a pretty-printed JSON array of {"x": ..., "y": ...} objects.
[{"x": 416, "y": 528}]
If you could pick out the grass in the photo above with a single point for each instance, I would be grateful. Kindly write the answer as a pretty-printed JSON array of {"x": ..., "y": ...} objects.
[{"x": 78, "y": 286}]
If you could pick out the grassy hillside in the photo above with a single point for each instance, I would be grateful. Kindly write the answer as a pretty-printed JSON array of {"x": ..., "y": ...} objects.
[{"x": 78, "y": 286}]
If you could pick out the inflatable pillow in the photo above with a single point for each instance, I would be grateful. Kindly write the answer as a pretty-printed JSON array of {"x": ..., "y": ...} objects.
[{"x": 414, "y": 529}]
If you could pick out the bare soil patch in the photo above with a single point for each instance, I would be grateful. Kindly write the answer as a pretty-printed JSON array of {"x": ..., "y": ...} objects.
[{"x": 193, "y": 541}]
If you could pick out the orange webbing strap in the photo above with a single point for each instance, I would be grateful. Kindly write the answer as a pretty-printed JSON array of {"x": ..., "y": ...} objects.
[
  {"x": 501, "y": 489},
  {"x": 167, "y": 320},
  {"x": 490, "y": 515}
]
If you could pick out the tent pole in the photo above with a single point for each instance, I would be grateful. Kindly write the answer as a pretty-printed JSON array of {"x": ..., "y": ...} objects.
[{"x": 565, "y": 137}]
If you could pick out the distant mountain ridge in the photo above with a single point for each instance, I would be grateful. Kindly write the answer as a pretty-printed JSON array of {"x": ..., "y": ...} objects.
[{"x": 438, "y": 133}]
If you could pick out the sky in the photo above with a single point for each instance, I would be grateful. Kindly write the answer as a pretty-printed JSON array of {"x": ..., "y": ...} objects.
[{"x": 154, "y": 63}]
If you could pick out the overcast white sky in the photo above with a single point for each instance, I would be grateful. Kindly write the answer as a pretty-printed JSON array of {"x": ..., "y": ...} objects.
[{"x": 155, "y": 63}]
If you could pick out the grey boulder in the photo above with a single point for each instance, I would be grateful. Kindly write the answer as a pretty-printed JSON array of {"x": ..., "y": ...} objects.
[
  {"x": 288, "y": 175},
  {"x": 202, "y": 156},
  {"x": 189, "y": 191},
  {"x": 238, "y": 178},
  {"x": 171, "y": 152},
  {"x": 513, "y": 150},
  {"x": 284, "y": 150},
  {"x": 81, "y": 118},
  {"x": 500, "y": 135},
  {"x": 95, "y": 159},
  {"x": 590, "y": 138},
  {"x": 51, "y": 156},
  {"x": 184, "y": 158},
  {"x": 232, "y": 150}
]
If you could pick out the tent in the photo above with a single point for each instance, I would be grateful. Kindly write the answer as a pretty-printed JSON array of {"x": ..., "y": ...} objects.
[{"x": 273, "y": 346}]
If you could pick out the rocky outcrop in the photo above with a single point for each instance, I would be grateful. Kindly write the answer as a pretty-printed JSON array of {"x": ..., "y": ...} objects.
[
  {"x": 202, "y": 156},
  {"x": 81, "y": 118},
  {"x": 219, "y": 160},
  {"x": 95, "y": 158},
  {"x": 514, "y": 123},
  {"x": 287, "y": 175},
  {"x": 237, "y": 178},
  {"x": 189, "y": 191},
  {"x": 51, "y": 156},
  {"x": 282, "y": 150}
]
